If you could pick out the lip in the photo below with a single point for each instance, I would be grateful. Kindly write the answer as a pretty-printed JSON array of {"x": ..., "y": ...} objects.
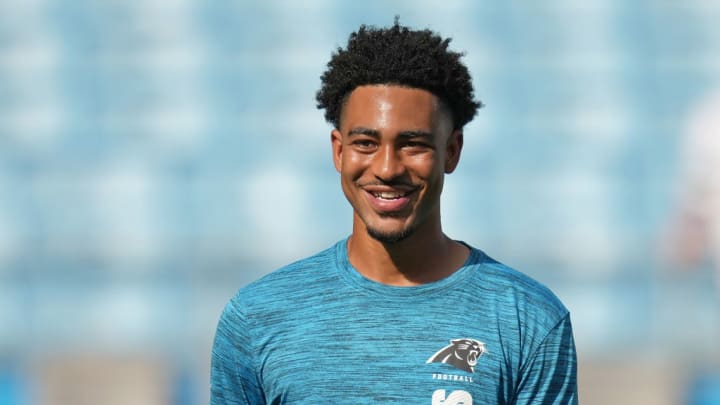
[{"x": 389, "y": 206}]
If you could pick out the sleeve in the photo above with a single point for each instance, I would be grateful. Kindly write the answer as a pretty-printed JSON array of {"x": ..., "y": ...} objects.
[
  {"x": 551, "y": 375},
  {"x": 233, "y": 376}
]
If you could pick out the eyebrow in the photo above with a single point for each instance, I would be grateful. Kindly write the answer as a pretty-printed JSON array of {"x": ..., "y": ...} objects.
[
  {"x": 364, "y": 131},
  {"x": 415, "y": 134},
  {"x": 376, "y": 134}
]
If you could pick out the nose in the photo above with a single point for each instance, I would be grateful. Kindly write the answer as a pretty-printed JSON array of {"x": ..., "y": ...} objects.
[{"x": 387, "y": 164}]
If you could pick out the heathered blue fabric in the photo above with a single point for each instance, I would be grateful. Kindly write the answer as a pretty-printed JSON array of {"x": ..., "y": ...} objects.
[{"x": 318, "y": 332}]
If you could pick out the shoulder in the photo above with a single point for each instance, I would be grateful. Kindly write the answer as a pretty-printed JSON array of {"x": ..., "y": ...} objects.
[
  {"x": 289, "y": 280},
  {"x": 514, "y": 291}
]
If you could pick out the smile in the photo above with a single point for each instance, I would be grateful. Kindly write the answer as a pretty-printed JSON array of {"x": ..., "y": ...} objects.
[
  {"x": 389, "y": 195},
  {"x": 390, "y": 201}
]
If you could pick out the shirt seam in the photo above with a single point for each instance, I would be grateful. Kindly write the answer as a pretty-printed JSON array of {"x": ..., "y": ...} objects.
[
  {"x": 342, "y": 264},
  {"x": 533, "y": 354},
  {"x": 253, "y": 350}
]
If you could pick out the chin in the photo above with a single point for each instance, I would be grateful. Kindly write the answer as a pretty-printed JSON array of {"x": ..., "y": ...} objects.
[{"x": 389, "y": 237}]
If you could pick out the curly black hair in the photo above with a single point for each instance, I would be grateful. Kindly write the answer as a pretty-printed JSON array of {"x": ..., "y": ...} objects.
[{"x": 398, "y": 55}]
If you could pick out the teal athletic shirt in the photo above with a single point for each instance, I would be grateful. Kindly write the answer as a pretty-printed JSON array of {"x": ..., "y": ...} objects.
[{"x": 318, "y": 332}]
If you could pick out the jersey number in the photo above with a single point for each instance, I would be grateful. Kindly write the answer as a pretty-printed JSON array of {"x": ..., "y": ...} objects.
[{"x": 455, "y": 398}]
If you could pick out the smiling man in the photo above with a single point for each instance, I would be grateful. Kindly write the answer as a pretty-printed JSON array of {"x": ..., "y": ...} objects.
[{"x": 398, "y": 312}]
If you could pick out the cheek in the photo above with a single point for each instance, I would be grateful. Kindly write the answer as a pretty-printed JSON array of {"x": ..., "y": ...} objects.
[
  {"x": 425, "y": 166},
  {"x": 354, "y": 163}
]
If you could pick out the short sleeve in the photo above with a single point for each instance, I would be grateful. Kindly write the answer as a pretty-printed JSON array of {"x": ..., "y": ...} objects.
[
  {"x": 233, "y": 376},
  {"x": 551, "y": 375}
]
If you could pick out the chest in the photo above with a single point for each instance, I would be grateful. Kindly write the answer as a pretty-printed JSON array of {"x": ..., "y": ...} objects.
[{"x": 386, "y": 354}]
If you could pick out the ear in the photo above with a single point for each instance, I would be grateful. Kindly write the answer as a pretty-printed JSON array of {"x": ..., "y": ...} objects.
[
  {"x": 337, "y": 148},
  {"x": 453, "y": 149}
]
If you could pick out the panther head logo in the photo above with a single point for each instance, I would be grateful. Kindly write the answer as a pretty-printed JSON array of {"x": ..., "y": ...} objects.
[{"x": 462, "y": 354}]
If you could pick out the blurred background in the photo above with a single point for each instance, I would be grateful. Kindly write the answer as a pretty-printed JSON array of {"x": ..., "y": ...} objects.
[{"x": 155, "y": 156}]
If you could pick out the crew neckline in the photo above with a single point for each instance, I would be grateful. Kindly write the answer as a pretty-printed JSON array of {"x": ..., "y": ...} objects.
[{"x": 351, "y": 275}]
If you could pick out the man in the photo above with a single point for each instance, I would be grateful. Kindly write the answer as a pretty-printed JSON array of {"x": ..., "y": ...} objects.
[{"x": 398, "y": 312}]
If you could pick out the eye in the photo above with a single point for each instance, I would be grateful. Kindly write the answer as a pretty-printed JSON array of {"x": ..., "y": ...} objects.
[
  {"x": 417, "y": 145},
  {"x": 364, "y": 144}
]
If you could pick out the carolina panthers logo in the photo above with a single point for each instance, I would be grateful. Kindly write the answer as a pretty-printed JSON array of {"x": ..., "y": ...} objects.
[{"x": 462, "y": 354}]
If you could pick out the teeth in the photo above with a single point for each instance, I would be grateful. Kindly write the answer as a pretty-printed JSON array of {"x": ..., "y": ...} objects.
[{"x": 386, "y": 195}]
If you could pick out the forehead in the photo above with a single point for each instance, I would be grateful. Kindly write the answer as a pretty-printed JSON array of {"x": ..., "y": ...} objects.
[{"x": 392, "y": 106}]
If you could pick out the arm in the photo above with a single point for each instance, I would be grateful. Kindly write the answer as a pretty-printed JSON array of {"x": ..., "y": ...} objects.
[
  {"x": 551, "y": 375},
  {"x": 233, "y": 377}
]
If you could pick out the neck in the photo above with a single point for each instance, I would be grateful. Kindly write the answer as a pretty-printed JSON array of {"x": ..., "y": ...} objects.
[{"x": 425, "y": 256}]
